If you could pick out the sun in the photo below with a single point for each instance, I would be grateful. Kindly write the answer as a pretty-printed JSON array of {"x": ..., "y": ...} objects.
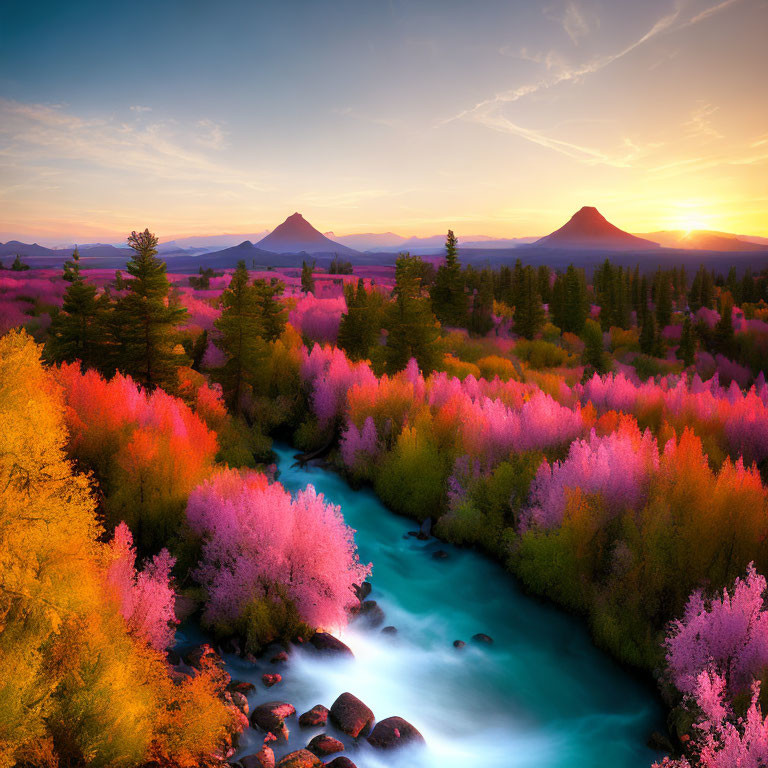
[{"x": 691, "y": 222}]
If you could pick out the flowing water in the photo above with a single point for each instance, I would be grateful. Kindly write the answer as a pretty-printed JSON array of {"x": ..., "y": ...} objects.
[{"x": 541, "y": 696}]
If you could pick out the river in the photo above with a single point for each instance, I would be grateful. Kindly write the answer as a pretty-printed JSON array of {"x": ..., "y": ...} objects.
[{"x": 542, "y": 696}]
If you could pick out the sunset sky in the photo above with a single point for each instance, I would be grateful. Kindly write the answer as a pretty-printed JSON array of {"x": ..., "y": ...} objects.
[{"x": 497, "y": 118}]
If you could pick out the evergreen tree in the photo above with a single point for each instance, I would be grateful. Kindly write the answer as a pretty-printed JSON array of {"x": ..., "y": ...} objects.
[
  {"x": 18, "y": 265},
  {"x": 529, "y": 314},
  {"x": 687, "y": 349},
  {"x": 663, "y": 299},
  {"x": 449, "y": 300},
  {"x": 307, "y": 277},
  {"x": 144, "y": 321},
  {"x": 504, "y": 292},
  {"x": 360, "y": 325},
  {"x": 273, "y": 313},
  {"x": 241, "y": 329},
  {"x": 481, "y": 317},
  {"x": 594, "y": 356},
  {"x": 569, "y": 305},
  {"x": 723, "y": 338},
  {"x": 75, "y": 332},
  {"x": 412, "y": 329},
  {"x": 648, "y": 341},
  {"x": 544, "y": 277}
]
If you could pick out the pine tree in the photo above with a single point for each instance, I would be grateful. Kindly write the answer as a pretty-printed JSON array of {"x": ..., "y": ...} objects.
[
  {"x": 18, "y": 265},
  {"x": 723, "y": 333},
  {"x": 594, "y": 356},
  {"x": 360, "y": 325},
  {"x": 504, "y": 292},
  {"x": 687, "y": 349},
  {"x": 663, "y": 299},
  {"x": 412, "y": 329},
  {"x": 144, "y": 321},
  {"x": 241, "y": 329},
  {"x": 481, "y": 317},
  {"x": 273, "y": 313},
  {"x": 569, "y": 305},
  {"x": 75, "y": 331},
  {"x": 529, "y": 314},
  {"x": 307, "y": 278},
  {"x": 449, "y": 300},
  {"x": 648, "y": 342}
]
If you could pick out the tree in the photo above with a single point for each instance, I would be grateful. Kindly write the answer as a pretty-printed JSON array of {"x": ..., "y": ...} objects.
[
  {"x": 687, "y": 349},
  {"x": 273, "y": 550},
  {"x": 723, "y": 337},
  {"x": 529, "y": 314},
  {"x": 481, "y": 317},
  {"x": 241, "y": 328},
  {"x": 449, "y": 301},
  {"x": 412, "y": 329},
  {"x": 144, "y": 321},
  {"x": 272, "y": 311},
  {"x": 307, "y": 278},
  {"x": 663, "y": 300},
  {"x": 648, "y": 335},
  {"x": 570, "y": 305},
  {"x": 594, "y": 356},
  {"x": 77, "y": 330},
  {"x": 360, "y": 325},
  {"x": 18, "y": 265}
]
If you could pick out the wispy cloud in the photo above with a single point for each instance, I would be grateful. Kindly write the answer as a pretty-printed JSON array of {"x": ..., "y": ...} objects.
[{"x": 40, "y": 135}]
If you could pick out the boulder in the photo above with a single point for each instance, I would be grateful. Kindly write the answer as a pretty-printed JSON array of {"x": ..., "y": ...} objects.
[
  {"x": 390, "y": 630},
  {"x": 270, "y": 717},
  {"x": 324, "y": 745},
  {"x": 239, "y": 700},
  {"x": 370, "y": 614},
  {"x": 279, "y": 658},
  {"x": 270, "y": 679},
  {"x": 230, "y": 645},
  {"x": 440, "y": 554},
  {"x": 351, "y": 716},
  {"x": 342, "y": 761},
  {"x": 241, "y": 687},
  {"x": 481, "y": 638},
  {"x": 302, "y": 758},
  {"x": 394, "y": 732},
  {"x": 317, "y": 716},
  {"x": 458, "y": 644},
  {"x": 264, "y": 758},
  {"x": 330, "y": 644},
  {"x": 363, "y": 590},
  {"x": 203, "y": 654}
]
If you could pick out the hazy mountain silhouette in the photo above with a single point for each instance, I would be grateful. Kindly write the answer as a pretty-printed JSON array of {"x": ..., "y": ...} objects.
[
  {"x": 588, "y": 229},
  {"x": 703, "y": 240},
  {"x": 296, "y": 234}
]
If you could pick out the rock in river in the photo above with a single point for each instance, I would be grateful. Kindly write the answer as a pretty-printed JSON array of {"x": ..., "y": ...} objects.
[
  {"x": 270, "y": 717},
  {"x": 330, "y": 644},
  {"x": 394, "y": 732},
  {"x": 317, "y": 716},
  {"x": 302, "y": 758},
  {"x": 351, "y": 716},
  {"x": 324, "y": 745}
]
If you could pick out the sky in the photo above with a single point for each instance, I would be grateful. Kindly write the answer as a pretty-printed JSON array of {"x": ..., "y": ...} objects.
[{"x": 492, "y": 117}]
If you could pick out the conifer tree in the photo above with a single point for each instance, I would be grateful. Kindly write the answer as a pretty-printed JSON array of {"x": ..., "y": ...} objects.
[
  {"x": 18, "y": 265},
  {"x": 307, "y": 277},
  {"x": 648, "y": 341},
  {"x": 241, "y": 329},
  {"x": 481, "y": 317},
  {"x": 273, "y": 313},
  {"x": 594, "y": 356},
  {"x": 144, "y": 321},
  {"x": 75, "y": 332},
  {"x": 663, "y": 299},
  {"x": 412, "y": 329},
  {"x": 529, "y": 314},
  {"x": 449, "y": 301},
  {"x": 687, "y": 349},
  {"x": 360, "y": 325},
  {"x": 724, "y": 335}
]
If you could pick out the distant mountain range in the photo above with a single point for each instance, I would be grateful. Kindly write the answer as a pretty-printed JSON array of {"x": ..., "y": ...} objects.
[
  {"x": 586, "y": 240},
  {"x": 589, "y": 230}
]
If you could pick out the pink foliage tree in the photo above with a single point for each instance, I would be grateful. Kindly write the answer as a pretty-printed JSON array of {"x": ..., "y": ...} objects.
[
  {"x": 146, "y": 597},
  {"x": 257, "y": 537},
  {"x": 359, "y": 445},
  {"x": 727, "y": 635}
]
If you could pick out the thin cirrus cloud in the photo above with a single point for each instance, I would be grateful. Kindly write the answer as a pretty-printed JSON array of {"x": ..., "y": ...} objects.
[{"x": 489, "y": 111}]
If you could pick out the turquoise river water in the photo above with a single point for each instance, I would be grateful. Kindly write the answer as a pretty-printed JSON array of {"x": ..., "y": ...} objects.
[{"x": 542, "y": 696}]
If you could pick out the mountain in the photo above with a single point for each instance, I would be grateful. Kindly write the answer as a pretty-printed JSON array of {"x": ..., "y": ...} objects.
[
  {"x": 703, "y": 240},
  {"x": 296, "y": 234},
  {"x": 205, "y": 243},
  {"x": 588, "y": 229}
]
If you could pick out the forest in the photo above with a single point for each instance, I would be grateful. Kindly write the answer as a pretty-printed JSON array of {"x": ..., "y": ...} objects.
[{"x": 603, "y": 436}]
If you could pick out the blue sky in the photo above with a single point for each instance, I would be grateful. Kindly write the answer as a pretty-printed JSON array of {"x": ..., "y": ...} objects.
[{"x": 492, "y": 117}]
